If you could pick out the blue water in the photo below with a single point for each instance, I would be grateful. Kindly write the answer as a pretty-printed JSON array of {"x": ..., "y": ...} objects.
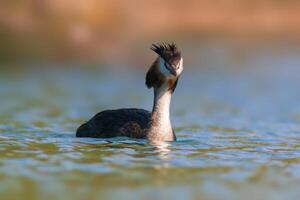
[{"x": 238, "y": 133}]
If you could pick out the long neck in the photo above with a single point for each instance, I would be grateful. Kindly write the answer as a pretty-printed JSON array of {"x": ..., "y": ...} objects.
[{"x": 161, "y": 128}]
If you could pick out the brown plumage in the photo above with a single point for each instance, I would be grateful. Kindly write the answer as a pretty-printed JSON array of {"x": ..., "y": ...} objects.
[
  {"x": 153, "y": 77},
  {"x": 169, "y": 52},
  {"x": 111, "y": 123},
  {"x": 138, "y": 123}
]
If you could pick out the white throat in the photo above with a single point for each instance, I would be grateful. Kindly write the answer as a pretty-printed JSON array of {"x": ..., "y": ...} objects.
[{"x": 161, "y": 109}]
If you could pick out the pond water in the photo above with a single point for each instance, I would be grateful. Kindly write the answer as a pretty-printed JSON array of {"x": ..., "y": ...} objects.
[{"x": 238, "y": 135}]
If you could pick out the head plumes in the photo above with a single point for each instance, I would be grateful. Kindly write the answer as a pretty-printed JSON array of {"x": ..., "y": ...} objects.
[
  {"x": 170, "y": 60},
  {"x": 167, "y": 67},
  {"x": 168, "y": 52}
]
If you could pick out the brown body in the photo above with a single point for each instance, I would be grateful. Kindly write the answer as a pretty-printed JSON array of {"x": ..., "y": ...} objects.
[{"x": 121, "y": 122}]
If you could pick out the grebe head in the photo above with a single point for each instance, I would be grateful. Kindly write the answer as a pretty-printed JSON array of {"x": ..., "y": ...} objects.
[
  {"x": 170, "y": 59},
  {"x": 165, "y": 71}
]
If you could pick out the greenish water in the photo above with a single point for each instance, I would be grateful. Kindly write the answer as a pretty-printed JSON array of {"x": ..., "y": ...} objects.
[{"x": 238, "y": 136}]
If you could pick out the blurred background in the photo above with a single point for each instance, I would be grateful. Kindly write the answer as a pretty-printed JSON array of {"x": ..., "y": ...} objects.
[
  {"x": 120, "y": 32},
  {"x": 235, "y": 111}
]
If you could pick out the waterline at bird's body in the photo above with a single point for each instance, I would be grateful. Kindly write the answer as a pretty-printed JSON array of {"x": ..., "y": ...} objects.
[{"x": 138, "y": 123}]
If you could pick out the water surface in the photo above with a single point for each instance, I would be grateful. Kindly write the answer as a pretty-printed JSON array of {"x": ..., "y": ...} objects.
[{"x": 238, "y": 136}]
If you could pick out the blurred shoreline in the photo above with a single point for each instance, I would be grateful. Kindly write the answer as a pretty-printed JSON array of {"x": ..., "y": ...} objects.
[{"x": 113, "y": 31}]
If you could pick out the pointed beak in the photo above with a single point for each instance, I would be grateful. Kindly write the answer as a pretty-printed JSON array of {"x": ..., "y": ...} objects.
[{"x": 172, "y": 71}]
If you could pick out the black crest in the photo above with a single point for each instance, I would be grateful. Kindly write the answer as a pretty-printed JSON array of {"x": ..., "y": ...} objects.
[{"x": 169, "y": 52}]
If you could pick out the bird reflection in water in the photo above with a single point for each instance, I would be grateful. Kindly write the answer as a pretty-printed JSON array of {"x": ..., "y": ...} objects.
[{"x": 161, "y": 149}]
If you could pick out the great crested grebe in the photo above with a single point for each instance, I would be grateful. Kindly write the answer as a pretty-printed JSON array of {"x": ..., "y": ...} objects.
[{"x": 139, "y": 123}]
